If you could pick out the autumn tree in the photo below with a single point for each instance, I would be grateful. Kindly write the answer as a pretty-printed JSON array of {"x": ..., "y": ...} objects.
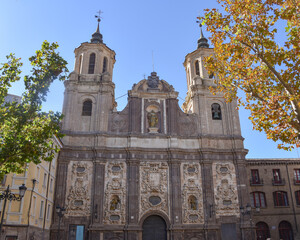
[
  {"x": 257, "y": 50},
  {"x": 25, "y": 130}
]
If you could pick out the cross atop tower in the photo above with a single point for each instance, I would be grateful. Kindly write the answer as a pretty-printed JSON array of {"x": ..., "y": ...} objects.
[
  {"x": 202, "y": 41},
  {"x": 97, "y": 36},
  {"x": 98, "y": 16}
]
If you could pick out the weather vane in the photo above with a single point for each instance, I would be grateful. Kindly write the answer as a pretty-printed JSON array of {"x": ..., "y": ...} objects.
[
  {"x": 98, "y": 16},
  {"x": 200, "y": 24}
]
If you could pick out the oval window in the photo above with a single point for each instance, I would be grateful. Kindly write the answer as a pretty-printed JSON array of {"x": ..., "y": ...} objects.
[
  {"x": 80, "y": 169},
  {"x": 154, "y": 200},
  {"x": 114, "y": 217}
]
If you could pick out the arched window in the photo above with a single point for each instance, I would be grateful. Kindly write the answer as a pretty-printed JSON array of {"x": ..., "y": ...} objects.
[
  {"x": 262, "y": 231},
  {"x": 297, "y": 196},
  {"x": 280, "y": 199},
  {"x": 104, "y": 69},
  {"x": 87, "y": 108},
  {"x": 92, "y": 63},
  {"x": 285, "y": 231},
  {"x": 216, "y": 111},
  {"x": 258, "y": 199},
  {"x": 197, "y": 71},
  {"x": 79, "y": 65}
]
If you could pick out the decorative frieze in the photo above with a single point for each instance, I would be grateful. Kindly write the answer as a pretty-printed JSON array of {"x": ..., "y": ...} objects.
[
  {"x": 115, "y": 192},
  {"x": 225, "y": 189},
  {"x": 154, "y": 187},
  {"x": 192, "y": 194},
  {"x": 79, "y": 188}
]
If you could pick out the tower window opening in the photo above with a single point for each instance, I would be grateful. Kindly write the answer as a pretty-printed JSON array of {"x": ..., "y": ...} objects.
[
  {"x": 216, "y": 111},
  {"x": 92, "y": 63},
  {"x": 87, "y": 108},
  {"x": 79, "y": 65},
  {"x": 211, "y": 76},
  {"x": 197, "y": 71},
  {"x": 104, "y": 69}
]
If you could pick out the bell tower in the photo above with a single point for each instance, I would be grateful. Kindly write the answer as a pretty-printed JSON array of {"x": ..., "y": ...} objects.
[
  {"x": 215, "y": 115},
  {"x": 89, "y": 92}
]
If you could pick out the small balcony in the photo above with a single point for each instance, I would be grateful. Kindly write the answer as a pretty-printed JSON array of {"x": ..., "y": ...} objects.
[
  {"x": 278, "y": 182},
  {"x": 256, "y": 182},
  {"x": 296, "y": 181}
]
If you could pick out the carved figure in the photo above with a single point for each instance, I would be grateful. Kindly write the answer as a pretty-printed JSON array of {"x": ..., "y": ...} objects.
[
  {"x": 193, "y": 203},
  {"x": 152, "y": 119},
  {"x": 115, "y": 203},
  {"x": 153, "y": 80}
]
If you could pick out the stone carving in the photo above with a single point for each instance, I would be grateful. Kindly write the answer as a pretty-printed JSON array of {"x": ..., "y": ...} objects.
[
  {"x": 119, "y": 123},
  {"x": 193, "y": 235},
  {"x": 193, "y": 203},
  {"x": 152, "y": 119},
  {"x": 78, "y": 195},
  {"x": 153, "y": 80},
  {"x": 154, "y": 182},
  {"x": 115, "y": 193},
  {"x": 192, "y": 196},
  {"x": 225, "y": 188},
  {"x": 115, "y": 203}
]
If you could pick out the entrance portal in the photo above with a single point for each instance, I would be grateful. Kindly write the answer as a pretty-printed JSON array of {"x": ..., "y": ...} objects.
[{"x": 154, "y": 228}]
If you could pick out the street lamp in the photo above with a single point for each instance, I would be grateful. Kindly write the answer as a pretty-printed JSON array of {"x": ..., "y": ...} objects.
[
  {"x": 60, "y": 212},
  {"x": 11, "y": 197},
  {"x": 247, "y": 211}
]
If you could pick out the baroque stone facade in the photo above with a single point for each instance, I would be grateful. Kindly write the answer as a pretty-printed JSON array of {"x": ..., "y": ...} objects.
[{"x": 150, "y": 171}]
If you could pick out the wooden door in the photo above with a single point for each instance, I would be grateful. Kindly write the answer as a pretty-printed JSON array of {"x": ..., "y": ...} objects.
[{"x": 154, "y": 228}]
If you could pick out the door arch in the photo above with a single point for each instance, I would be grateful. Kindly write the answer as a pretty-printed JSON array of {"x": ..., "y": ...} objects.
[
  {"x": 154, "y": 228},
  {"x": 285, "y": 231},
  {"x": 262, "y": 231}
]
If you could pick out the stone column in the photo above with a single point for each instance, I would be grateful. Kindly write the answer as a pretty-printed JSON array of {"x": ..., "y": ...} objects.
[
  {"x": 60, "y": 196},
  {"x": 209, "y": 202},
  {"x": 98, "y": 194},
  {"x": 132, "y": 199},
  {"x": 175, "y": 199}
]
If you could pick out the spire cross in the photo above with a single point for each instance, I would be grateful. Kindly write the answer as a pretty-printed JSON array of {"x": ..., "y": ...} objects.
[
  {"x": 98, "y": 16},
  {"x": 200, "y": 25}
]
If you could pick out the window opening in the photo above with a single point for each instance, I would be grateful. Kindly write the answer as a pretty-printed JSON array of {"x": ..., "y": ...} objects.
[
  {"x": 258, "y": 199},
  {"x": 197, "y": 71},
  {"x": 216, "y": 111},
  {"x": 104, "y": 69},
  {"x": 280, "y": 199},
  {"x": 92, "y": 63},
  {"x": 87, "y": 108}
]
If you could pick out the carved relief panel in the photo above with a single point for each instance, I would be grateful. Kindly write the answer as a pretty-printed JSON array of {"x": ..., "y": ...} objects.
[
  {"x": 225, "y": 189},
  {"x": 192, "y": 195},
  {"x": 79, "y": 188},
  {"x": 115, "y": 193},
  {"x": 154, "y": 187}
]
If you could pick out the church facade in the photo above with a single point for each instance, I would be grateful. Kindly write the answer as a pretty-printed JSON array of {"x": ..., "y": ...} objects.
[{"x": 150, "y": 171}]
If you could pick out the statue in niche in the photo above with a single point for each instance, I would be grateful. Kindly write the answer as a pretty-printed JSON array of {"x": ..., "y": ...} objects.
[
  {"x": 193, "y": 203},
  {"x": 115, "y": 203},
  {"x": 152, "y": 119}
]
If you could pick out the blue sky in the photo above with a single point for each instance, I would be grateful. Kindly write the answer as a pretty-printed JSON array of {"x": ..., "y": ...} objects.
[{"x": 133, "y": 29}]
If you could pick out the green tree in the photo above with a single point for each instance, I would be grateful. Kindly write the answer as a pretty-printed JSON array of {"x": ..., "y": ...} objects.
[
  {"x": 25, "y": 130},
  {"x": 257, "y": 50}
]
